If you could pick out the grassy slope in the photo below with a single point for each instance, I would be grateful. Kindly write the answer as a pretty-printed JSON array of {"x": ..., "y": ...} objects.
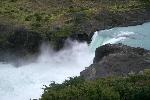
[{"x": 45, "y": 15}]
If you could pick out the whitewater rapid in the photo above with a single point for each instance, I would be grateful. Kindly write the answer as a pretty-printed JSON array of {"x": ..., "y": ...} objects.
[{"x": 26, "y": 81}]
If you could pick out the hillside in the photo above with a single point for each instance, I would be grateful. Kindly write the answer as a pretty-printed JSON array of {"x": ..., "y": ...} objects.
[
  {"x": 48, "y": 15},
  {"x": 24, "y": 24}
]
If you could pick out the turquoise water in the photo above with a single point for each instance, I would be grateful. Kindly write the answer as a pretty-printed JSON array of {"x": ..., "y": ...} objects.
[{"x": 136, "y": 36}]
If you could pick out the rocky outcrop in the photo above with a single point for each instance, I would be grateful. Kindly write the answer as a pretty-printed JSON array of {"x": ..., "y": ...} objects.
[
  {"x": 18, "y": 42},
  {"x": 117, "y": 59},
  {"x": 107, "y": 19}
]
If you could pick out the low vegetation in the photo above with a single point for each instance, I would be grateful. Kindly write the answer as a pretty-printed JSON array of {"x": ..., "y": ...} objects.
[
  {"x": 39, "y": 15},
  {"x": 53, "y": 20},
  {"x": 132, "y": 87}
]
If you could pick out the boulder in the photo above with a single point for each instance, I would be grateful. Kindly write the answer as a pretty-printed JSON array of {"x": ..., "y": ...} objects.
[{"x": 117, "y": 59}]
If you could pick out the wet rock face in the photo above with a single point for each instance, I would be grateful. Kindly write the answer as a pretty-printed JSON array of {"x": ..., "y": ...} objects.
[
  {"x": 18, "y": 42},
  {"x": 25, "y": 40},
  {"x": 117, "y": 59},
  {"x": 80, "y": 37}
]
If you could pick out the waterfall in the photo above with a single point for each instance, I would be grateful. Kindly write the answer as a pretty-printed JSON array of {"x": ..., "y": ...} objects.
[{"x": 27, "y": 81}]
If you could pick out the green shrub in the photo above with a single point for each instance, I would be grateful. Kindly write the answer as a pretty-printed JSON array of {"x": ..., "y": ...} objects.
[{"x": 136, "y": 87}]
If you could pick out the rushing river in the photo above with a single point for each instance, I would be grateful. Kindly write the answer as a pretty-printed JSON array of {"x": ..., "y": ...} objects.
[
  {"x": 26, "y": 81},
  {"x": 136, "y": 36}
]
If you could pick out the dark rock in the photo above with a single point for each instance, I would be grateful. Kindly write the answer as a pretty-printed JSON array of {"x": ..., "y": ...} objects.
[
  {"x": 59, "y": 43},
  {"x": 18, "y": 42},
  {"x": 25, "y": 41},
  {"x": 117, "y": 59},
  {"x": 80, "y": 37},
  {"x": 117, "y": 48},
  {"x": 107, "y": 19}
]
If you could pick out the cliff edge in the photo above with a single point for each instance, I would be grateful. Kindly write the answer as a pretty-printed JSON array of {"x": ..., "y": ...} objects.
[{"x": 117, "y": 60}]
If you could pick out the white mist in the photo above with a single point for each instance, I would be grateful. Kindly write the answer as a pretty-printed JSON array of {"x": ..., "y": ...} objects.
[{"x": 27, "y": 81}]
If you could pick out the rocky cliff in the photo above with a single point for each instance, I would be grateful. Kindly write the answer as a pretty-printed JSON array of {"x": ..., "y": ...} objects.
[
  {"x": 55, "y": 20},
  {"x": 117, "y": 59}
]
